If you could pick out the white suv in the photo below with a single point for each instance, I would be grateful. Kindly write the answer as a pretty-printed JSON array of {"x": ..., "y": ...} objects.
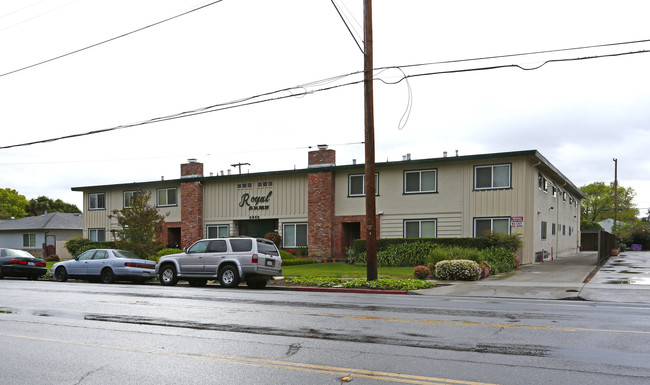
[{"x": 230, "y": 260}]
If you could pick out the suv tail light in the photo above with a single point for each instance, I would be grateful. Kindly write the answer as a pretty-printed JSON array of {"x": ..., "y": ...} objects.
[{"x": 255, "y": 259}]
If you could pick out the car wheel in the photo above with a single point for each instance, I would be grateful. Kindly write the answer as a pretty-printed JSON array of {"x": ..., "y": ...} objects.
[
  {"x": 256, "y": 283},
  {"x": 229, "y": 277},
  {"x": 107, "y": 275},
  {"x": 198, "y": 282},
  {"x": 61, "y": 275},
  {"x": 168, "y": 275}
]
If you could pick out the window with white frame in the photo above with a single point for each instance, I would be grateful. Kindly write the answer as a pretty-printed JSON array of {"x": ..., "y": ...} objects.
[
  {"x": 167, "y": 196},
  {"x": 420, "y": 181},
  {"x": 484, "y": 226},
  {"x": 492, "y": 177},
  {"x": 128, "y": 198},
  {"x": 218, "y": 231},
  {"x": 420, "y": 228},
  {"x": 96, "y": 201},
  {"x": 29, "y": 240},
  {"x": 357, "y": 185},
  {"x": 294, "y": 234},
  {"x": 97, "y": 235}
]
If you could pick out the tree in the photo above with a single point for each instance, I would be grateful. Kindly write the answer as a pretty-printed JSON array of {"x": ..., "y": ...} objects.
[
  {"x": 141, "y": 223},
  {"x": 599, "y": 203},
  {"x": 42, "y": 204},
  {"x": 12, "y": 204}
]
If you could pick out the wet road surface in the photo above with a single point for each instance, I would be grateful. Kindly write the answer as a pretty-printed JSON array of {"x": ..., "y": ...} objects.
[{"x": 84, "y": 333}]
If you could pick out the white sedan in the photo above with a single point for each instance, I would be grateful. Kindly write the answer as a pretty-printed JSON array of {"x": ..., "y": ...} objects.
[{"x": 107, "y": 265}]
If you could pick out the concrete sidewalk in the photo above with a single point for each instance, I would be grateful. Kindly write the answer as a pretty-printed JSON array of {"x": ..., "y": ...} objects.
[{"x": 562, "y": 278}]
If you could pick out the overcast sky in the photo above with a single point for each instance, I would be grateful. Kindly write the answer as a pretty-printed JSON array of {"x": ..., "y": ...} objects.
[{"x": 578, "y": 114}]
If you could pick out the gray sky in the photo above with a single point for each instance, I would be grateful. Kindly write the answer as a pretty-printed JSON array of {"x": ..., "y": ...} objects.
[{"x": 578, "y": 114}]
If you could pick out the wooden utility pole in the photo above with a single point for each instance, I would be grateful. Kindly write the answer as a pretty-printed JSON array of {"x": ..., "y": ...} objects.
[
  {"x": 615, "y": 192},
  {"x": 371, "y": 221}
]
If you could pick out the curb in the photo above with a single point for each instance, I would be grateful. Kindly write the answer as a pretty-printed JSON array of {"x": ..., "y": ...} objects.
[{"x": 338, "y": 290}]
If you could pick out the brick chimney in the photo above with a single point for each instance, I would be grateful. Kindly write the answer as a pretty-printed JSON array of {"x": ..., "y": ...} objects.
[
  {"x": 320, "y": 202},
  {"x": 191, "y": 203}
]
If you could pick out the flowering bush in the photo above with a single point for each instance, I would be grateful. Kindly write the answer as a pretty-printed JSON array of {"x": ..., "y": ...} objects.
[
  {"x": 458, "y": 269},
  {"x": 421, "y": 272}
]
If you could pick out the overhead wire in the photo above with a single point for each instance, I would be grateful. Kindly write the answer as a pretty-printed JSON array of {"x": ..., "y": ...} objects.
[
  {"x": 277, "y": 94},
  {"x": 110, "y": 40}
]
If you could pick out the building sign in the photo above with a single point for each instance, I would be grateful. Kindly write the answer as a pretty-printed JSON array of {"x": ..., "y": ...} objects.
[
  {"x": 256, "y": 202},
  {"x": 516, "y": 221}
]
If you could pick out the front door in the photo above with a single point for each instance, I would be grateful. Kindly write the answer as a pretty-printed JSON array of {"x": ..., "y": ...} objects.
[{"x": 50, "y": 245}]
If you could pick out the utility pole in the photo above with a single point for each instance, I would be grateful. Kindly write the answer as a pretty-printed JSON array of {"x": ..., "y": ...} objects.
[
  {"x": 239, "y": 165},
  {"x": 371, "y": 219},
  {"x": 615, "y": 191}
]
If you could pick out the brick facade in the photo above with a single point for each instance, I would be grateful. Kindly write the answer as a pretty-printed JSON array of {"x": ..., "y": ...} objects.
[
  {"x": 191, "y": 204},
  {"x": 320, "y": 203}
]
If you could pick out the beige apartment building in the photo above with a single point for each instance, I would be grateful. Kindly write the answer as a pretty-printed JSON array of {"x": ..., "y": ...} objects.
[{"x": 322, "y": 207}]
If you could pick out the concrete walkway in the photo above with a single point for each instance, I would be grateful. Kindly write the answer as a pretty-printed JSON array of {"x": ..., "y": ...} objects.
[{"x": 562, "y": 278}]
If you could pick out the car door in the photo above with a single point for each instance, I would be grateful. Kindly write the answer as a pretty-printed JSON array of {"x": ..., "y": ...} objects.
[
  {"x": 192, "y": 262},
  {"x": 217, "y": 251},
  {"x": 79, "y": 265},
  {"x": 97, "y": 263}
]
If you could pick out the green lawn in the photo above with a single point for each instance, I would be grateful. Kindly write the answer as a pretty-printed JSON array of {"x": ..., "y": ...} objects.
[{"x": 343, "y": 270}]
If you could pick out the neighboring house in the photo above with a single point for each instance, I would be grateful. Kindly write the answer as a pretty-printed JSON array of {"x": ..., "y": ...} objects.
[
  {"x": 322, "y": 207},
  {"x": 42, "y": 235}
]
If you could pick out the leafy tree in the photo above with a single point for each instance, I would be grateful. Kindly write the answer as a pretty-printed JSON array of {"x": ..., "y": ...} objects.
[
  {"x": 140, "y": 225},
  {"x": 12, "y": 204},
  {"x": 42, "y": 204},
  {"x": 599, "y": 203},
  {"x": 589, "y": 225}
]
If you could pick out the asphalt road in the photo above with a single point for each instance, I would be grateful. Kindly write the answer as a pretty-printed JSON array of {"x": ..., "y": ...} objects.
[{"x": 89, "y": 333}]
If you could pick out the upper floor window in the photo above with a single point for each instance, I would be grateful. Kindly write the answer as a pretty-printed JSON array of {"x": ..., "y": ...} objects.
[
  {"x": 167, "y": 196},
  {"x": 128, "y": 198},
  {"x": 492, "y": 177},
  {"x": 245, "y": 185},
  {"x": 96, "y": 201},
  {"x": 357, "y": 185},
  {"x": 420, "y": 228},
  {"x": 544, "y": 230},
  {"x": 264, "y": 184},
  {"x": 420, "y": 181}
]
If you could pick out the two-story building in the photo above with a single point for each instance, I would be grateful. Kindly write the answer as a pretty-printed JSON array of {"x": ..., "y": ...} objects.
[{"x": 322, "y": 207}]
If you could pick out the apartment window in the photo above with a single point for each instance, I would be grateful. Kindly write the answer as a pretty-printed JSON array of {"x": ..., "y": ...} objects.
[
  {"x": 542, "y": 183},
  {"x": 245, "y": 185},
  {"x": 420, "y": 228},
  {"x": 294, "y": 235},
  {"x": 128, "y": 198},
  {"x": 552, "y": 228},
  {"x": 218, "y": 231},
  {"x": 167, "y": 196},
  {"x": 554, "y": 191},
  {"x": 564, "y": 196},
  {"x": 29, "y": 240},
  {"x": 492, "y": 177},
  {"x": 420, "y": 181},
  {"x": 264, "y": 184},
  {"x": 543, "y": 230},
  {"x": 97, "y": 235},
  {"x": 484, "y": 226},
  {"x": 563, "y": 229},
  {"x": 96, "y": 201},
  {"x": 357, "y": 185}
]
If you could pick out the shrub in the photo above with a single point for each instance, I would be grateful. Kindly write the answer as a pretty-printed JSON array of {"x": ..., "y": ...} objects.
[
  {"x": 274, "y": 237},
  {"x": 389, "y": 284},
  {"x": 168, "y": 251},
  {"x": 74, "y": 244},
  {"x": 510, "y": 242},
  {"x": 359, "y": 245},
  {"x": 421, "y": 272},
  {"x": 315, "y": 281},
  {"x": 289, "y": 259},
  {"x": 302, "y": 250},
  {"x": 52, "y": 258},
  {"x": 501, "y": 260},
  {"x": 458, "y": 269},
  {"x": 401, "y": 254}
]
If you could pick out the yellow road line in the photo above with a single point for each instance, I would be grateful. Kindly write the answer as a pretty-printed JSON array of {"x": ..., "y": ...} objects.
[{"x": 260, "y": 362}]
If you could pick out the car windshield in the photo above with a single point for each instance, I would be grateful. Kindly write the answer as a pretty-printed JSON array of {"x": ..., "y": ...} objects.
[
  {"x": 18, "y": 253},
  {"x": 125, "y": 254},
  {"x": 267, "y": 248}
]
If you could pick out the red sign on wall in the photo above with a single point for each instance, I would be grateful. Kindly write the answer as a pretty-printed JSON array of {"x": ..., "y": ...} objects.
[{"x": 516, "y": 221}]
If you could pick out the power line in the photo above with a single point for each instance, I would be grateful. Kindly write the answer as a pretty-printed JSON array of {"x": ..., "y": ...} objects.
[
  {"x": 304, "y": 90},
  {"x": 110, "y": 40}
]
